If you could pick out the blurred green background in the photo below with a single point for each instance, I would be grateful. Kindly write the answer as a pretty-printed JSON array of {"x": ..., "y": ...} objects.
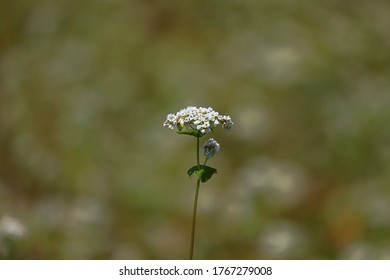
[{"x": 87, "y": 171}]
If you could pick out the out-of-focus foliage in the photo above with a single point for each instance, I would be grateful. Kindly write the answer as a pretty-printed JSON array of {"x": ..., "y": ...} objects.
[{"x": 88, "y": 172}]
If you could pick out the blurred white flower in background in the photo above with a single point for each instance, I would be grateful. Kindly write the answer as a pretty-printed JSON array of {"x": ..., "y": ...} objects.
[
  {"x": 282, "y": 239},
  {"x": 357, "y": 251},
  {"x": 364, "y": 250},
  {"x": 281, "y": 183},
  {"x": 11, "y": 227}
]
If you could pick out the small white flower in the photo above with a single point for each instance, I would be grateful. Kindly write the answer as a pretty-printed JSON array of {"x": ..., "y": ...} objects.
[
  {"x": 210, "y": 148},
  {"x": 201, "y": 119}
]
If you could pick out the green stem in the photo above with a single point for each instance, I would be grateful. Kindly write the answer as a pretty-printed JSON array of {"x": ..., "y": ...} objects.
[
  {"x": 195, "y": 203},
  {"x": 197, "y": 152},
  {"x": 194, "y": 220}
]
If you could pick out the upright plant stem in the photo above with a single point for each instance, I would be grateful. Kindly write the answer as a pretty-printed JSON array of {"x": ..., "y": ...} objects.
[
  {"x": 197, "y": 152},
  {"x": 194, "y": 220},
  {"x": 195, "y": 203}
]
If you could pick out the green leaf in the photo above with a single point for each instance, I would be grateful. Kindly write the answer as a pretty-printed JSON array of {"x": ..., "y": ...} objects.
[
  {"x": 204, "y": 172},
  {"x": 192, "y": 132}
]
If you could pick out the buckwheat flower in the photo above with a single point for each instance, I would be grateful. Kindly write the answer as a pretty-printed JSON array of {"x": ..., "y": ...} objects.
[
  {"x": 197, "y": 122},
  {"x": 210, "y": 148},
  {"x": 226, "y": 121},
  {"x": 200, "y": 119}
]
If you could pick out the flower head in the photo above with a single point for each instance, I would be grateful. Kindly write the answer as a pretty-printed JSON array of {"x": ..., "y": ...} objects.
[
  {"x": 200, "y": 119},
  {"x": 210, "y": 148}
]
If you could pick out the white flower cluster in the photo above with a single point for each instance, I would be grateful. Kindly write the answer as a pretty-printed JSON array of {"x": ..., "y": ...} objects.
[
  {"x": 210, "y": 148},
  {"x": 201, "y": 119}
]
